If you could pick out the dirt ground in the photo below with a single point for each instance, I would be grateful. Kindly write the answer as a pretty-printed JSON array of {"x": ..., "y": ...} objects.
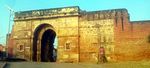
[{"x": 129, "y": 64}]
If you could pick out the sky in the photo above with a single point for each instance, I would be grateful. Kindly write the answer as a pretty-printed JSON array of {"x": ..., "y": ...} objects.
[{"x": 138, "y": 9}]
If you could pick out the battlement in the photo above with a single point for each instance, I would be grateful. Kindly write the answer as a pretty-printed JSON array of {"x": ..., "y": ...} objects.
[
  {"x": 70, "y": 11},
  {"x": 105, "y": 14},
  {"x": 109, "y": 11},
  {"x": 47, "y": 13}
]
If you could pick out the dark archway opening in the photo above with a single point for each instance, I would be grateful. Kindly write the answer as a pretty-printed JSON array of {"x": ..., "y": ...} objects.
[
  {"x": 47, "y": 47},
  {"x": 48, "y": 53}
]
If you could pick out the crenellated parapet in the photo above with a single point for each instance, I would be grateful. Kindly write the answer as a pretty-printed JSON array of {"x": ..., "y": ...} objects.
[
  {"x": 47, "y": 13},
  {"x": 104, "y": 14}
]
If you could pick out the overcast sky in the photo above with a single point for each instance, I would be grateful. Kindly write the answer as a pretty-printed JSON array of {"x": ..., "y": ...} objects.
[{"x": 138, "y": 9}]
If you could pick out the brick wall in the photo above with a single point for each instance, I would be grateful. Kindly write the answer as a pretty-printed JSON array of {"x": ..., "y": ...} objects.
[
  {"x": 131, "y": 43},
  {"x": 80, "y": 36}
]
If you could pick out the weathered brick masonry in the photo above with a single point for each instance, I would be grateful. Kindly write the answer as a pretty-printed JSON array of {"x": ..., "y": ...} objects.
[{"x": 80, "y": 35}]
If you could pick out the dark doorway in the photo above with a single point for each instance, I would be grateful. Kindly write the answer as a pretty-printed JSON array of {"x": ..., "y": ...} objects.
[
  {"x": 46, "y": 36},
  {"x": 47, "y": 47}
]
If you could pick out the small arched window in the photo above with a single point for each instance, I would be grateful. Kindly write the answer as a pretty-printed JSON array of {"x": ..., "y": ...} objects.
[
  {"x": 20, "y": 48},
  {"x": 67, "y": 45}
]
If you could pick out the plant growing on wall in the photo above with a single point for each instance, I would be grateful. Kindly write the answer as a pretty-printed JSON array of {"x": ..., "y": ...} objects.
[{"x": 148, "y": 38}]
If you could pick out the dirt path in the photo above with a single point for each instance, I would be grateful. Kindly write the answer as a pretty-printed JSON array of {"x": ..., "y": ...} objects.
[{"x": 77, "y": 65}]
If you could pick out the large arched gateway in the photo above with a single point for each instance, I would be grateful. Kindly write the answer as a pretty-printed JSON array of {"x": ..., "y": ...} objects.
[{"x": 43, "y": 48}]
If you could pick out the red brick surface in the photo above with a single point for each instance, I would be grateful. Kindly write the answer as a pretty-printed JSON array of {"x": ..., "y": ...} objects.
[{"x": 132, "y": 42}]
